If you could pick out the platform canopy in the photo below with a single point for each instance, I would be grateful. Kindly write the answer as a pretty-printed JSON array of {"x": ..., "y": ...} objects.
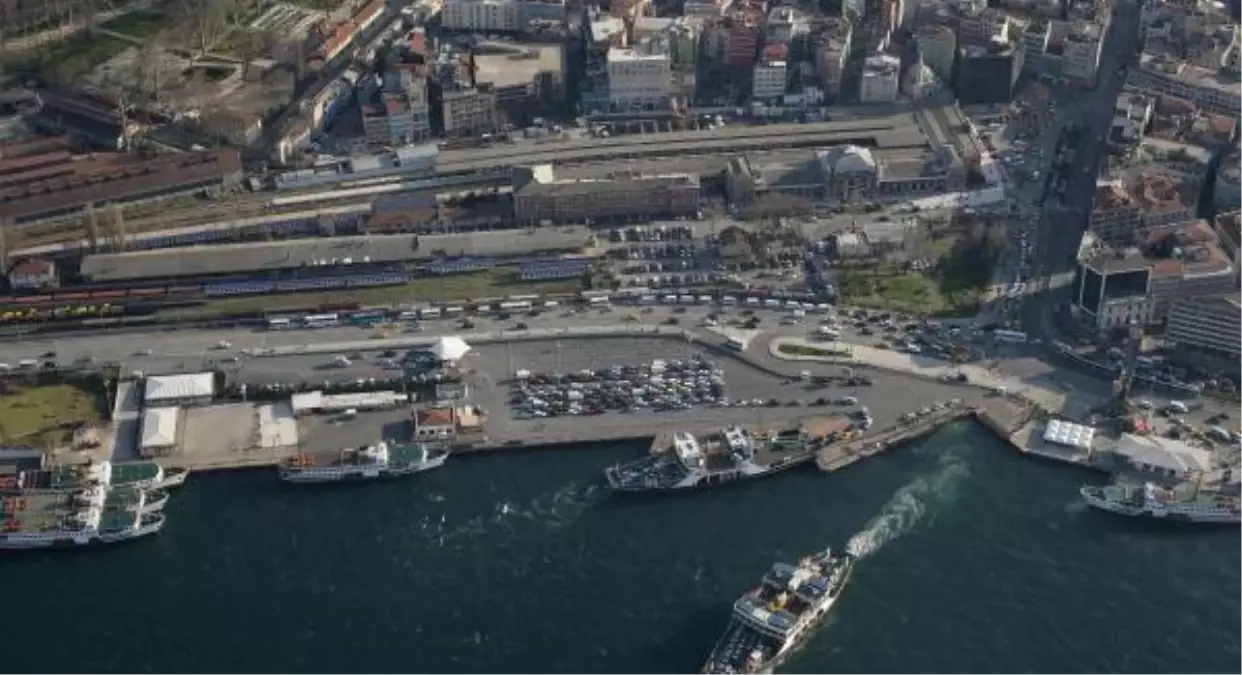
[{"x": 450, "y": 348}]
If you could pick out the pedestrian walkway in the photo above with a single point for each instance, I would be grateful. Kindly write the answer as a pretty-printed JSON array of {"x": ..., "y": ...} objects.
[{"x": 928, "y": 367}]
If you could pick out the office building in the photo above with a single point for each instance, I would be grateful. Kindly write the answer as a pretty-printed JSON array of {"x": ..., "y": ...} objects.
[
  {"x": 640, "y": 77},
  {"x": 1120, "y": 286},
  {"x": 987, "y": 74},
  {"x": 881, "y": 79}
]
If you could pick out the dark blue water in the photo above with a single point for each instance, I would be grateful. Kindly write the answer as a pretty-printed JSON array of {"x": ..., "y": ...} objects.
[{"x": 980, "y": 561}]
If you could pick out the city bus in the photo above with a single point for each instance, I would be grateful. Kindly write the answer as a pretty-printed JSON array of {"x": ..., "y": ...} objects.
[
  {"x": 321, "y": 320},
  {"x": 1009, "y": 336},
  {"x": 366, "y": 317},
  {"x": 279, "y": 323}
]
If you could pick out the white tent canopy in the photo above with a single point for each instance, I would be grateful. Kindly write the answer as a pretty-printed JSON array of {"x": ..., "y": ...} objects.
[
  {"x": 450, "y": 348},
  {"x": 1073, "y": 435},
  {"x": 170, "y": 388},
  {"x": 159, "y": 427}
]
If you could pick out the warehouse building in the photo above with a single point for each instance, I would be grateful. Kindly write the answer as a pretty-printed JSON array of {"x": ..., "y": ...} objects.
[
  {"x": 160, "y": 427},
  {"x": 170, "y": 390}
]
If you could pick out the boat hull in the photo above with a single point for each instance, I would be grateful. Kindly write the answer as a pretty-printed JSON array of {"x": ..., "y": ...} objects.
[
  {"x": 784, "y": 651},
  {"x": 378, "y": 473},
  {"x": 152, "y": 525},
  {"x": 1165, "y": 515}
]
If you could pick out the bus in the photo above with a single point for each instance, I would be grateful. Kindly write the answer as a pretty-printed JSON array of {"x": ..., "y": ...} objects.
[
  {"x": 320, "y": 320},
  {"x": 1009, "y": 336},
  {"x": 598, "y": 300},
  {"x": 279, "y": 323},
  {"x": 515, "y": 306},
  {"x": 737, "y": 344},
  {"x": 367, "y": 318}
]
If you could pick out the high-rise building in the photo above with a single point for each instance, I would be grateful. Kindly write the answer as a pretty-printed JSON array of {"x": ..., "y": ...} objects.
[{"x": 987, "y": 74}]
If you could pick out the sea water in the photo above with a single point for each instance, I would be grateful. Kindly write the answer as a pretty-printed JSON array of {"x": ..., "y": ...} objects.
[{"x": 972, "y": 560}]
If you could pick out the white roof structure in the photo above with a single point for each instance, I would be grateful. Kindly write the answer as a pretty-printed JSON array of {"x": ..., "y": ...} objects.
[
  {"x": 1070, "y": 434},
  {"x": 1163, "y": 453},
  {"x": 165, "y": 388},
  {"x": 159, "y": 427},
  {"x": 450, "y": 348}
]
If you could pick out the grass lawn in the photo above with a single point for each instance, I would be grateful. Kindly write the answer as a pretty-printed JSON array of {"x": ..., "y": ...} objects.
[
  {"x": 910, "y": 293},
  {"x": 803, "y": 350},
  {"x": 138, "y": 24},
  {"x": 488, "y": 284},
  {"x": 31, "y": 416}
]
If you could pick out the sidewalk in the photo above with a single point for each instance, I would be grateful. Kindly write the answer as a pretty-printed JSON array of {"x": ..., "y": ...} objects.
[{"x": 929, "y": 367}]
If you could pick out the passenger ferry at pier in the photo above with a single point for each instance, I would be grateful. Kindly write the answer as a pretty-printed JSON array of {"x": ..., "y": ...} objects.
[
  {"x": 1152, "y": 501},
  {"x": 773, "y": 620},
  {"x": 43, "y": 521},
  {"x": 381, "y": 460},
  {"x": 145, "y": 475},
  {"x": 730, "y": 454},
  {"x": 118, "y": 499}
]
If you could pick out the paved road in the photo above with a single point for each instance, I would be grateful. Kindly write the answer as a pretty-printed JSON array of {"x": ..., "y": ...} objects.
[{"x": 1063, "y": 224}]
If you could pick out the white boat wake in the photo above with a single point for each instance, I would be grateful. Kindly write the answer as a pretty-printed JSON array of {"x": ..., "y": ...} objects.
[{"x": 909, "y": 505}]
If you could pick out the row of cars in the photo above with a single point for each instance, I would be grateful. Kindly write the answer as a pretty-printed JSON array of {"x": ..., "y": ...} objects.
[{"x": 660, "y": 385}]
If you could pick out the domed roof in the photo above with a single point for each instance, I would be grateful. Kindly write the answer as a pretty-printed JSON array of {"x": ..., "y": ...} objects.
[{"x": 854, "y": 159}]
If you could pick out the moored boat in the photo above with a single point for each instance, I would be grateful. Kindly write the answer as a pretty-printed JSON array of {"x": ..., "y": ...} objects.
[
  {"x": 381, "y": 460},
  {"x": 42, "y": 521},
  {"x": 770, "y": 622},
  {"x": 71, "y": 477},
  {"x": 730, "y": 454},
  {"x": 1152, "y": 501}
]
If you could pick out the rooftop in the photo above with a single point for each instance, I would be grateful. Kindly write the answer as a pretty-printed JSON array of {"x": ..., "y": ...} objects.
[
  {"x": 508, "y": 64},
  {"x": 122, "y": 180},
  {"x": 328, "y": 253}
]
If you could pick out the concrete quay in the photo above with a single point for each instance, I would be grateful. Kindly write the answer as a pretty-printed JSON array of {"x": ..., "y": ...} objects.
[{"x": 840, "y": 455}]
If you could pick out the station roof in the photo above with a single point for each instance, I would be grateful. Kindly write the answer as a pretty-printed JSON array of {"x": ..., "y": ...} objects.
[{"x": 302, "y": 253}]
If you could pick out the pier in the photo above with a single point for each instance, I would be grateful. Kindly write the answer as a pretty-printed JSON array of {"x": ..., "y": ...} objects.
[{"x": 1004, "y": 416}]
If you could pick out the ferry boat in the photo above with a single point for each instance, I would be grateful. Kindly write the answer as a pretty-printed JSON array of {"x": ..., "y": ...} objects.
[
  {"x": 381, "y": 460},
  {"x": 39, "y": 521},
  {"x": 146, "y": 475},
  {"x": 125, "y": 498},
  {"x": 730, "y": 454},
  {"x": 1152, "y": 501},
  {"x": 770, "y": 622}
]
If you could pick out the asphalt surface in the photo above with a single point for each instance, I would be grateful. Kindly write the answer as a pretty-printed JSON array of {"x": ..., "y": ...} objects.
[{"x": 1063, "y": 223}]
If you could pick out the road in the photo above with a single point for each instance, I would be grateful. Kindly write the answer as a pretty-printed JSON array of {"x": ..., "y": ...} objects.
[{"x": 1063, "y": 223}]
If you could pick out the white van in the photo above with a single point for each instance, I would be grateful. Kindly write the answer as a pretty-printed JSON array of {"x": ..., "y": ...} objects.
[{"x": 753, "y": 302}]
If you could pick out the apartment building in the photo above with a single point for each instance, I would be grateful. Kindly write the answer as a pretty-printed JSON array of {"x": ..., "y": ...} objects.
[
  {"x": 1193, "y": 55},
  {"x": 938, "y": 45},
  {"x": 1210, "y": 325},
  {"x": 770, "y": 75},
  {"x": 832, "y": 57},
  {"x": 499, "y": 16},
  {"x": 881, "y": 79},
  {"x": 1115, "y": 215},
  {"x": 640, "y": 77},
  {"x": 468, "y": 111},
  {"x": 1080, "y": 58}
]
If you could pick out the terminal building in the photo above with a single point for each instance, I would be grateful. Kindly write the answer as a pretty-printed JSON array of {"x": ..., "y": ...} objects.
[
  {"x": 1119, "y": 286},
  {"x": 539, "y": 196}
]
